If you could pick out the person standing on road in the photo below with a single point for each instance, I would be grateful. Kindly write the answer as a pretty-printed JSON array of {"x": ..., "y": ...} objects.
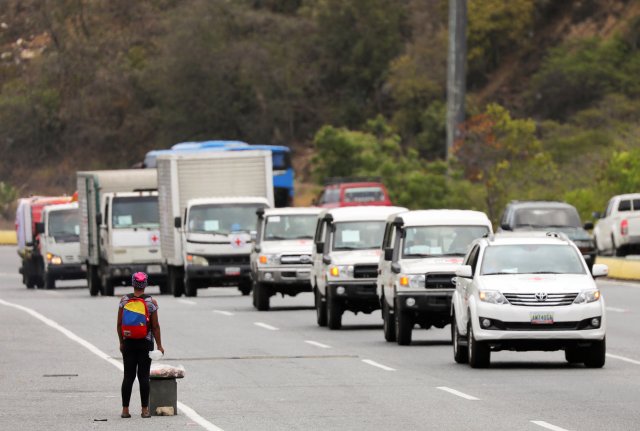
[{"x": 136, "y": 342}]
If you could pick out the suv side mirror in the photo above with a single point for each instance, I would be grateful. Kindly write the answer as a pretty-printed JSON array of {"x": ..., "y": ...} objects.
[
  {"x": 39, "y": 228},
  {"x": 588, "y": 225},
  {"x": 596, "y": 215},
  {"x": 326, "y": 259},
  {"x": 99, "y": 219},
  {"x": 177, "y": 222},
  {"x": 388, "y": 254},
  {"x": 464, "y": 271},
  {"x": 505, "y": 226},
  {"x": 395, "y": 268},
  {"x": 599, "y": 270},
  {"x": 319, "y": 247}
]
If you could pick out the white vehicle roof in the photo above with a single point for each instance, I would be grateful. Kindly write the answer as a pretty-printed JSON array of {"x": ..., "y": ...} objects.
[
  {"x": 292, "y": 211},
  {"x": 362, "y": 213},
  {"x": 61, "y": 207},
  {"x": 229, "y": 200},
  {"x": 443, "y": 217},
  {"x": 516, "y": 238},
  {"x": 629, "y": 196}
]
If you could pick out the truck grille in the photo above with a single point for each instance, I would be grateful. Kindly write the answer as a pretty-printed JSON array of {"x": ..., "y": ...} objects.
[
  {"x": 527, "y": 326},
  {"x": 439, "y": 281},
  {"x": 530, "y": 300},
  {"x": 365, "y": 271},
  {"x": 295, "y": 259},
  {"x": 237, "y": 259}
]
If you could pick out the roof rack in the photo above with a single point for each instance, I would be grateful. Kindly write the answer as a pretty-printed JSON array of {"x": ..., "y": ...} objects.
[{"x": 338, "y": 180}]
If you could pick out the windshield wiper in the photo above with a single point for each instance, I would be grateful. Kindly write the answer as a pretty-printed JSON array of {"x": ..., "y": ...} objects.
[
  {"x": 275, "y": 237},
  {"x": 304, "y": 237},
  {"x": 545, "y": 272},
  {"x": 348, "y": 248},
  {"x": 500, "y": 273}
]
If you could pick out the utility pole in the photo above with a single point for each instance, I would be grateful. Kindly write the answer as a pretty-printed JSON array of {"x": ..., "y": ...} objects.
[{"x": 456, "y": 71}]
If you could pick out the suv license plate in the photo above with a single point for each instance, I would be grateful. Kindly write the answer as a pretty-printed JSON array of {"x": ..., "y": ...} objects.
[
  {"x": 304, "y": 275},
  {"x": 541, "y": 318},
  {"x": 232, "y": 270},
  {"x": 154, "y": 269}
]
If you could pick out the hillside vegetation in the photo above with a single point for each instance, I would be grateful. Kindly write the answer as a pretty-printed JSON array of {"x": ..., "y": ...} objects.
[{"x": 354, "y": 87}]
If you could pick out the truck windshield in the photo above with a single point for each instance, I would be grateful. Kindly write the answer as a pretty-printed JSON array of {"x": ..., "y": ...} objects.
[
  {"x": 546, "y": 217},
  {"x": 434, "y": 241},
  {"x": 223, "y": 219},
  {"x": 364, "y": 194},
  {"x": 135, "y": 212},
  {"x": 64, "y": 225},
  {"x": 358, "y": 235},
  {"x": 285, "y": 227},
  {"x": 531, "y": 259}
]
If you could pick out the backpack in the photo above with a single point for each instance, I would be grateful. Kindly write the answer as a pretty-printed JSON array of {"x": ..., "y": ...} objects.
[{"x": 135, "y": 317}]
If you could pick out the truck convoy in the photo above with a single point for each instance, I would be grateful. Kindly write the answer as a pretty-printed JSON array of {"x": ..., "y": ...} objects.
[
  {"x": 119, "y": 229},
  {"x": 208, "y": 204}
]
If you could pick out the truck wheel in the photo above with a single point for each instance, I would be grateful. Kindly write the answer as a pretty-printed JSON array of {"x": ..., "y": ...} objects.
[
  {"x": 595, "y": 355},
  {"x": 321, "y": 309},
  {"x": 176, "y": 285},
  {"x": 404, "y": 326},
  {"x": 261, "y": 297},
  {"x": 389, "y": 322},
  {"x": 479, "y": 353},
  {"x": 93, "y": 281},
  {"x": 573, "y": 355},
  {"x": 108, "y": 287},
  {"x": 460, "y": 353},
  {"x": 49, "y": 281},
  {"x": 164, "y": 288},
  {"x": 334, "y": 313},
  {"x": 30, "y": 282},
  {"x": 190, "y": 288},
  {"x": 245, "y": 288}
]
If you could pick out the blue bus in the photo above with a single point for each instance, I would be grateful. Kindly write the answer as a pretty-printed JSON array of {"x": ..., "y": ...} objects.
[{"x": 283, "y": 176}]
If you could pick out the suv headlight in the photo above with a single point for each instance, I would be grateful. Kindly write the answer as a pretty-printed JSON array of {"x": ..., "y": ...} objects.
[
  {"x": 192, "y": 259},
  {"x": 587, "y": 296},
  {"x": 341, "y": 271},
  {"x": 413, "y": 281},
  {"x": 492, "y": 297},
  {"x": 53, "y": 259},
  {"x": 268, "y": 259}
]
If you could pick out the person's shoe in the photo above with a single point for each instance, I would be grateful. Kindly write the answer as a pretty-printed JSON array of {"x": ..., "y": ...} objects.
[{"x": 125, "y": 415}]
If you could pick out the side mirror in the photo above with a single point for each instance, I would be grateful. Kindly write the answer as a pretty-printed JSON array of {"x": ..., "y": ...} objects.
[
  {"x": 388, "y": 254},
  {"x": 39, "y": 228},
  {"x": 464, "y": 271},
  {"x": 257, "y": 248},
  {"x": 505, "y": 226},
  {"x": 177, "y": 222},
  {"x": 319, "y": 247},
  {"x": 588, "y": 226},
  {"x": 596, "y": 215},
  {"x": 98, "y": 219},
  {"x": 395, "y": 268},
  {"x": 599, "y": 270},
  {"x": 326, "y": 259}
]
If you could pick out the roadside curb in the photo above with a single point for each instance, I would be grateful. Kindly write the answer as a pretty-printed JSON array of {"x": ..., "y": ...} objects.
[
  {"x": 8, "y": 237},
  {"x": 622, "y": 269}
]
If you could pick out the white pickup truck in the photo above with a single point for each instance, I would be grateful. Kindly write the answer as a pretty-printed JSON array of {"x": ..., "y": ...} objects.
[{"x": 617, "y": 232}]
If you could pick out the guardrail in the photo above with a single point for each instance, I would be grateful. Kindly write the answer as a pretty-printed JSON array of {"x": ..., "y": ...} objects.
[
  {"x": 8, "y": 237},
  {"x": 622, "y": 268}
]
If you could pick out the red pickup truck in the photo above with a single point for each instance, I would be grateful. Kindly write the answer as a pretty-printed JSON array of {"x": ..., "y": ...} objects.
[{"x": 353, "y": 193}]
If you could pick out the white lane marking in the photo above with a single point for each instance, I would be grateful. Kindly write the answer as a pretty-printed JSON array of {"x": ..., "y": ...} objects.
[
  {"x": 315, "y": 343},
  {"x": 457, "y": 393},
  {"x": 187, "y": 301},
  {"x": 188, "y": 411},
  {"x": 375, "y": 364},
  {"x": 548, "y": 426},
  {"x": 616, "y": 309},
  {"x": 622, "y": 358},
  {"x": 10, "y": 274},
  {"x": 265, "y": 326},
  {"x": 224, "y": 313}
]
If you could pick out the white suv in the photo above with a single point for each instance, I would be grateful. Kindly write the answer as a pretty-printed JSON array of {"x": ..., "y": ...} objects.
[
  {"x": 345, "y": 261},
  {"x": 421, "y": 252},
  {"x": 281, "y": 254},
  {"x": 528, "y": 292}
]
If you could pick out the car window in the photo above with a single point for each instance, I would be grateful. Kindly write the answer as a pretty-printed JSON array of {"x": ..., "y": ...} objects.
[
  {"x": 332, "y": 195},
  {"x": 607, "y": 212},
  {"x": 472, "y": 259},
  {"x": 531, "y": 259},
  {"x": 434, "y": 241},
  {"x": 363, "y": 194},
  {"x": 289, "y": 227},
  {"x": 358, "y": 235},
  {"x": 624, "y": 205},
  {"x": 636, "y": 204},
  {"x": 546, "y": 217},
  {"x": 388, "y": 233}
]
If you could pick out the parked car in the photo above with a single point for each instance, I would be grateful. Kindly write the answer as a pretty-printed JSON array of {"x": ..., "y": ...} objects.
[
  {"x": 349, "y": 193},
  {"x": 549, "y": 215},
  {"x": 617, "y": 232},
  {"x": 528, "y": 291}
]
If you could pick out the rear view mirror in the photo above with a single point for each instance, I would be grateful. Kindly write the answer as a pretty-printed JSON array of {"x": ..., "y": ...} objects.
[
  {"x": 319, "y": 247},
  {"x": 388, "y": 254},
  {"x": 395, "y": 268},
  {"x": 588, "y": 226},
  {"x": 98, "y": 219},
  {"x": 599, "y": 270},
  {"x": 177, "y": 222},
  {"x": 505, "y": 226},
  {"x": 39, "y": 228},
  {"x": 464, "y": 271},
  {"x": 596, "y": 215},
  {"x": 326, "y": 259}
]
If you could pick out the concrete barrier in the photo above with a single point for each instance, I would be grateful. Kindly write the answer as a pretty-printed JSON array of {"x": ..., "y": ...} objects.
[
  {"x": 8, "y": 237},
  {"x": 620, "y": 268}
]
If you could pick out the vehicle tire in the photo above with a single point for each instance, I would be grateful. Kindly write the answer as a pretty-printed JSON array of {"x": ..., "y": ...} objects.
[
  {"x": 321, "y": 309},
  {"x": 574, "y": 355},
  {"x": 190, "y": 288},
  {"x": 460, "y": 353},
  {"x": 389, "y": 322},
  {"x": 176, "y": 283},
  {"x": 39, "y": 281},
  {"x": 93, "y": 281},
  {"x": 334, "y": 313},
  {"x": 30, "y": 282},
  {"x": 595, "y": 355},
  {"x": 404, "y": 326},
  {"x": 108, "y": 287},
  {"x": 49, "y": 281},
  {"x": 261, "y": 297},
  {"x": 164, "y": 288},
  {"x": 479, "y": 353}
]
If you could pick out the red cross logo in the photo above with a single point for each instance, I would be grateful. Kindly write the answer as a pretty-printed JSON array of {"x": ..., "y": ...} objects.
[
  {"x": 238, "y": 242},
  {"x": 154, "y": 238}
]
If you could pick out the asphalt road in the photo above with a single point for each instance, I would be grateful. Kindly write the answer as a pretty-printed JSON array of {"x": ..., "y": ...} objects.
[{"x": 277, "y": 370}]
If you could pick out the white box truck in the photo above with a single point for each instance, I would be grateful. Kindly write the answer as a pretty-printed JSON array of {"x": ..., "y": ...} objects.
[
  {"x": 208, "y": 204},
  {"x": 119, "y": 228}
]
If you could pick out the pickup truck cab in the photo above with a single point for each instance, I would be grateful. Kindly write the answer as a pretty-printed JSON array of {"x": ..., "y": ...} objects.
[
  {"x": 345, "y": 261},
  {"x": 421, "y": 252},
  {"x": 356, "y": 193},
  {"x": 617, "y": 232},
  {"x": 281, "y": 254}
]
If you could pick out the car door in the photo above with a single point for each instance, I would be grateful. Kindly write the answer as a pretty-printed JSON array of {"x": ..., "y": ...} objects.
[
  {"x": 383, "y": 265},
  {"x": 318, "y": 264},
  {"x": 388, "y": 276},
  {"x": 464, "y": 287}
]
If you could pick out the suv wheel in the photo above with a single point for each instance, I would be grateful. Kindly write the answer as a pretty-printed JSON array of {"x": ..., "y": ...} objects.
[
  {"x": 190, "y": 288},
  {"x": 176, "y": 284},
  {"x": 404, "y": 326},
  {"x": 93, "y": 280},
  {"x": 573, "y": 355},
  {"x": 479, "y": 353},
  {"x": 334, "y": 313},
  {"x": 460, "y": 353},
  {"x": 595, "y": 355},
  {"x": 245, "y": 288},
  {"x": 49, "y": 281},
  {"x": 108, "y": 287},
  {"x": 389, "y": 322},
  {"x": 321, "y": 309},
  {"x": 260, "y": 296}
]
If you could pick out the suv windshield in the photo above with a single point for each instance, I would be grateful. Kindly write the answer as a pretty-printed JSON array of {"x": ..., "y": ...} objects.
[
  {"x": 546, "y": 217},
  {"x": 359, "y": 235},
  {"x": 363, "y": 194},
  {"x": 433, "y": 241},
  {"x": 284, "y": 227},
  {"x": 64, "y": 225},
  {"x": 223, "y": 219},
  {"x": 531, "y": 259},
  {"x": 135, "y": 212}
]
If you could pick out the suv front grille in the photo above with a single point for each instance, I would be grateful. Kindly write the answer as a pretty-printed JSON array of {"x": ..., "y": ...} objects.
[
  {"x": 295, "y": 259},
  {"x": 365, "y": 271},
  {"x": 232, "y": 259},
  {"x": 439, "y": 281},
  {"x": 530, "y": 300}
]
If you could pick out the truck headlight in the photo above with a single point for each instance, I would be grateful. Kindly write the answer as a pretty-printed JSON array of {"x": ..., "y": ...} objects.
[
  {"x": 192, "y": 259},
  {"x": 492, "y": 297},
  {"x": 587, "y": 296},
  {"x": 413, "y": 281},
  {"x": 341, "y": 271},
  {"x": 268, "y": 259},
  {"x": 53, "y": 259}
]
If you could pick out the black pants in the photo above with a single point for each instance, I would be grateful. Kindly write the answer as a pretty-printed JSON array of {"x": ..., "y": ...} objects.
[{"x": 135, "y": 358}]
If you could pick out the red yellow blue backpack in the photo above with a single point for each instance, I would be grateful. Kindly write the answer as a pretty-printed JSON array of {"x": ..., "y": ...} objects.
[{"x": 135, "y": 317}]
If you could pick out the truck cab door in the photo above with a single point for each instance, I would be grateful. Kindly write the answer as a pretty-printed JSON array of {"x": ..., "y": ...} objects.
[{"x": 103, "y": 228}]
